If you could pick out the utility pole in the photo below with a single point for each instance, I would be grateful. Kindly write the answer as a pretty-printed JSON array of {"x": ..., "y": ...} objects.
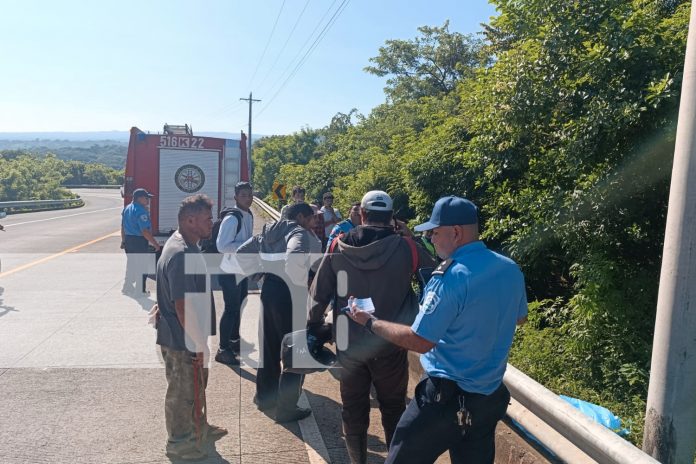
[
  {"x": 670, "y": 417},
  {"x": 251, "y": 163}
]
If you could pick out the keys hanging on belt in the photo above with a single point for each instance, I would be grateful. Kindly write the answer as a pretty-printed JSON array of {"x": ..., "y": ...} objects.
[{"x": 463, "y": 415}]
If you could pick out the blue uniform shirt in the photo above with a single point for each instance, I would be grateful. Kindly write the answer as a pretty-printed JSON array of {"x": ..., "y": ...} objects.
[
  {"x": 135, "y": 218},
  {"x": 470, "y": 311}
]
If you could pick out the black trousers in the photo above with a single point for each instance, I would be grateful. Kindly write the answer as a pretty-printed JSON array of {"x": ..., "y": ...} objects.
[
  {"x": 429, "y": 425},
  {"x": 389, "y": 375},
  {"x": 233, "y": 294},
  {"x": 134, "y": 273},
  {"x": 271, "y": 386}
]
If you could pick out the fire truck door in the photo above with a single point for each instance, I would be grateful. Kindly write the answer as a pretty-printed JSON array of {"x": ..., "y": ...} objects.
[{"x": 183, "y": 173}]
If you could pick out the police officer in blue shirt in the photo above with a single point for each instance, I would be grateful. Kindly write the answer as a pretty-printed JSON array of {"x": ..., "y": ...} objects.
[
  {"x": 136, "y": 233},
  {"x": 464, "y": 331}
]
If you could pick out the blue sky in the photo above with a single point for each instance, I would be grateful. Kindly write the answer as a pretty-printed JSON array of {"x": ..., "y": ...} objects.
[{"x": 76, "y": 65}]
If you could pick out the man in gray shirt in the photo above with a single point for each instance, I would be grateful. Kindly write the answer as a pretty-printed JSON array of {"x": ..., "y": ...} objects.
[
  {"x": 285, "y": 250},
  {"x": 183, "y": 326}
]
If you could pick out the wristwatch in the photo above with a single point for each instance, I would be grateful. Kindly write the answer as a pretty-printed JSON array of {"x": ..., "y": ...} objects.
[{"x": 368, "y": 324}]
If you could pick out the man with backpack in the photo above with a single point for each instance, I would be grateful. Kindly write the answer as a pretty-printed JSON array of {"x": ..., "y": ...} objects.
[
  {"x": 284, "y": 251},
  {"x": 371, "y": 261},
  {"x": 235, "y": 227}
]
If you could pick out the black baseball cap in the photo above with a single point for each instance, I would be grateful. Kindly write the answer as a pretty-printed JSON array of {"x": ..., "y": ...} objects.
[{"x": 141, "y": 192}]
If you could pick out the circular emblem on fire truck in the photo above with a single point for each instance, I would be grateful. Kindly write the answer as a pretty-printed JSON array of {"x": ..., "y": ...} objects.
[{"x": 189, "y": 178}]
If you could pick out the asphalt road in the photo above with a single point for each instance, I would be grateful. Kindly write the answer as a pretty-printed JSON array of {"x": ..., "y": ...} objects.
[
  {"x": 29, "y": 237},
  {"x": 81, "y": 378}
]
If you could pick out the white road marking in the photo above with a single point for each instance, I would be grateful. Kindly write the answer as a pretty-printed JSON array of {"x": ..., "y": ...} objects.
[
  {"x": 61, "y": 217},
  {"x": 314, "y": 443}
]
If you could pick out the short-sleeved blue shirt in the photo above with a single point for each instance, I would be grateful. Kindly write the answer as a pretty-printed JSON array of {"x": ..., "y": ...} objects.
[
  {"x": 470, "y": 312},
  {"x": 134, "y": 219}
]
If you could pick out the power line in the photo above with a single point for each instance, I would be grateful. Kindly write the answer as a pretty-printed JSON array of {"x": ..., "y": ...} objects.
[
  {"x": 268, "y": 42},
  {"x": 228, "y": 109},
  {"x": 299, "y": 52},
  {"x": 285, "y": 44},
  {"x": 314, "y": 45}
]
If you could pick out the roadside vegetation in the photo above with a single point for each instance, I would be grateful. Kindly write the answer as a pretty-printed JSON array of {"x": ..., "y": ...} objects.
[
  {"x": 559, "y": 121},
  {"x": 26, "y": 176}
]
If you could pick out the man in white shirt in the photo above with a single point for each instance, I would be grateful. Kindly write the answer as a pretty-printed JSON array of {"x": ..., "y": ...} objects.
[
  {"x": 331, "y": 215},
  {"x": 235, "y": 229}
]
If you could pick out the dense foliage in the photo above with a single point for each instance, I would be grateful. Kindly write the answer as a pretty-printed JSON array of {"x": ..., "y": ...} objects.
[
  {"x": 24, "y": 176},
  {"x": 110, "y": 153},
  {"x": 560, "y": 125}
]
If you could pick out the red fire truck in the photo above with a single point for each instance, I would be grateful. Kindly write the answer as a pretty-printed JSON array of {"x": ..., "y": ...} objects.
[{"x": 176, "y": 164}]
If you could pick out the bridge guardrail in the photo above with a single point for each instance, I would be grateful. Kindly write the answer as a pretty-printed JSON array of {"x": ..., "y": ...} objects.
[
  {"x": 35, "y": 205},
  {"x": 559, "y": 427},
  {"x": 268, "y": 209}
]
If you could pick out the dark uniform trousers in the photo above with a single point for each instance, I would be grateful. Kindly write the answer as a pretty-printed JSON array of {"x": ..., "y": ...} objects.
[
  {"x": 271, "y": 386},
  {"x": 135, "y": 244},
  {"x": 233, "y": 294},
  {"x": 389, "y": 375},
  {"x": 429, "y": 426}
]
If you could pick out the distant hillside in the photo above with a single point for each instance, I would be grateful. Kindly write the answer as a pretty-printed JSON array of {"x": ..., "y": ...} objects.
[
  {"x": 111, "y": 153},
  {"x": 118, "y": 136},
  {"x": 107, "y": 148}
]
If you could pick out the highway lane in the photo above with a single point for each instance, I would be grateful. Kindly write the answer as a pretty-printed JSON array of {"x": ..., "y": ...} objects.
[
  {"x": 54, "y": 231},
  {"x": 79, "y": 353},
  {"x": 30, "y": 237}
]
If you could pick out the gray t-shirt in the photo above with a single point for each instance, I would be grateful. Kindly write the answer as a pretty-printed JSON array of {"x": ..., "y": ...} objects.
[{"x": 173, "y": 284}]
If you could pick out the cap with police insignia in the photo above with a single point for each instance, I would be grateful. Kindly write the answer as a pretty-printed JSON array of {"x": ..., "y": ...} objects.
[
  {"x": 451, "y": 211},
  {"x": 141, "y": 192}
]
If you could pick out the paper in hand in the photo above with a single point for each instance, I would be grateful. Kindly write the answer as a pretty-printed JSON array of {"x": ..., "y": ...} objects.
[{"x": 364, "y": 304}]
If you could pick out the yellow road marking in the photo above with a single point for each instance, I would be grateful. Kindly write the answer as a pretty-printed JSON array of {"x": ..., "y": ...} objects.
[{"x": 48, "y": 258}]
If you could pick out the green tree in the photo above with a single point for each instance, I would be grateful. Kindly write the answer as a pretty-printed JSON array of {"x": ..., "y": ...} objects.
[
  {"x": 561, "y": 127},
  {"x": 270, "y": 153},
  {"x": 431, "y": 64}
]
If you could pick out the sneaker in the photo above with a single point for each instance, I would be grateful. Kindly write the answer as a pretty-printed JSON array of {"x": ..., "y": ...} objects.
[
  {"x": 292, "y": 415},
  {"x": 187, "y": 454},
  {"x": 226, "y": 356}
]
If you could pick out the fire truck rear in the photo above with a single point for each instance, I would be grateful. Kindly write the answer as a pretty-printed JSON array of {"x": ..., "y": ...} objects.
[{"x": 176, "y": 164}]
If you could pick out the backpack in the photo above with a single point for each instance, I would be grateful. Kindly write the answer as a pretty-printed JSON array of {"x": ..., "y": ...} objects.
[{"x": 209, "y": 245}]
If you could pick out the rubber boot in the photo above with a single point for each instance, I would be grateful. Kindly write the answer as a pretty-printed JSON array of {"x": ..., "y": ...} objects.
[{"x": 357, "y": 448}]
